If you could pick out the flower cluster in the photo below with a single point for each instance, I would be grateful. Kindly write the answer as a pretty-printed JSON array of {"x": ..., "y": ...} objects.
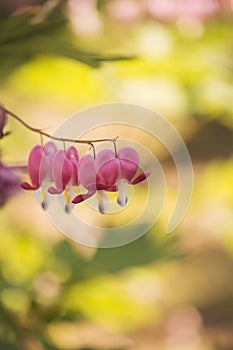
[
  {"x": 132, "y": 12},
  {"x": 60, "y": 172}
]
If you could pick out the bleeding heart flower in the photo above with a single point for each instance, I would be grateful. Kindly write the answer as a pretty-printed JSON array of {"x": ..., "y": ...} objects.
[
  {"x": 39, "y": 169},
  {"x": 87, "y": 178},
  {"x": 9, "y": 184},
  {"x": 107, "y": 172},
  {"x": 98, "y": 175},
  {"x": 65, "y": 175},
  {"x": 129, "y": 164}
]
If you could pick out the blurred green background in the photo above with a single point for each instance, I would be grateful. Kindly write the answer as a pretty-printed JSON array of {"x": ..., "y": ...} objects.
[{"x": 161, "y": 292}]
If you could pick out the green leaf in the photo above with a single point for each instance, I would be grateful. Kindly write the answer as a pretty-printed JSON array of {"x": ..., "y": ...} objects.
[{"x": 21, "y": 39}]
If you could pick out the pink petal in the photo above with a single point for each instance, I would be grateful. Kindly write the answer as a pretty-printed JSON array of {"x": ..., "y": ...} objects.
[
  {"x": 54, "y": 190},
  {"x": 108, "y": 173},
  {"x": 50, "y": 149},
  {"x": 103, "y": 157},
  {"x": 129, "y": 162},
  {"x": 103, "y": 187},
  {"x": 82, "y": 197},
  {"x": 141, "y": 177},
  {"x": 72, "y": 155},
  {"x": 61, "y": 170},
  {"x": 67, "y": 170},
  {"x": 107, "y": 167},
  {"x": 86, "y": 172},
  {"x": 38, "y": 165},
  {"x": 27, "y": 186},
  {"x": 128, "y": 169},
  {"x": 129, "y": 153},
  {"x": 75, "y": 164}
]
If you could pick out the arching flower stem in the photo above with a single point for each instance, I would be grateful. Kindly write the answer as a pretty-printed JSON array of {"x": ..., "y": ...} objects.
[
  {"x": 43, "y": 133},
  {"x": 115, "y": 147}
]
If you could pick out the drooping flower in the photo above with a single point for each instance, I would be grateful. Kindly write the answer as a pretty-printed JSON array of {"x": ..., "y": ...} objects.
[
  {"x": 55, "y": 172},
  {"x": 97, "y": 182},
  {"x": 128, "y": 164},
  {"x": 65, "y": 175},
  {"x": 109, "y": 173},
  {"x": 9, "y": 184},
  {"x": 39, "y": 169},
  {"x": 169, "y": 10}
]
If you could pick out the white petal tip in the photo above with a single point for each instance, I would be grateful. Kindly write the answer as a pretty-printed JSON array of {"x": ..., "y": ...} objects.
[
  {"x": 68, "y": 209},
  {"x": 122, "y": 201},
  {"x": 44, "y": 205},
  {"x": 101, "y": 209},
  {"x": 101, "y": 201},
  {"x": 122, "y": 198}
]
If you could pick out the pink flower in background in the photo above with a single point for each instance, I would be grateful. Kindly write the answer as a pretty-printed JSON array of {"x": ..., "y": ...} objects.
[
  {"x": 84, "y": 17},
  {"x": 39, "y": 169},
  {"x": 109, "y": 173},
  {"x": 127, "y": 11},
  {"x": 168, "y": 10},
  {"x": 9, "y": 184},
  {"x": 65, "y": 175}
]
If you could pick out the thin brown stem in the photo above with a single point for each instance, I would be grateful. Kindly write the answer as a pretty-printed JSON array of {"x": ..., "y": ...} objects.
[
  {"x": 64, "y": 146},
  {"x": 43, "y": 133},
  {"x": 41, "y": 140},
  {"x": 115, "y": 147},
  {"x": 93, "y": 150}
]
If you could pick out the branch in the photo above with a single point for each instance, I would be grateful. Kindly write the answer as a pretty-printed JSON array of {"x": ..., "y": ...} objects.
[{"x": 42, "y": 133}]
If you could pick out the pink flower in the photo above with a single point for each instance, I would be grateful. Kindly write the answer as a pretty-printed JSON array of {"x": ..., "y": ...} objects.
[
  {"x": 169, "y": 10},
  {"x": 9, "y": 184},
  {"x": 39, "y": 169},
  {"x": 65, "y": 175},
  {"x": 97, "y": 179},
  {"x": 128, "y": 166},
  {"x": 108, "y": 173},
  {"x": 127, "y": 11},
  {"x": 56, "y": 172}
]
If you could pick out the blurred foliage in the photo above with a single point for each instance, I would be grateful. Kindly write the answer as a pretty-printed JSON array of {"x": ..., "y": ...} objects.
[
  {"x": 160, "y": 292},
  {"x": 22, "y": 37}
]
